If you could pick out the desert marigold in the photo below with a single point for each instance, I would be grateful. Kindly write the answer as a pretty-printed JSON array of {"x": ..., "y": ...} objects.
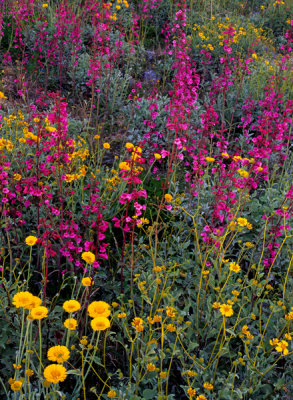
[
  {"x": 88, "y": 257},
  {"x": 17, "y": 177},
  {"x": 58, "y": 354},
  {"x": 22, "y": 299},
  {"x": 16, "y": 386},
  {"x": 234, "y": 267},
  {"x": 124, "y": 166},
  {"x": 87, "y": 281},
  {"x": 39, "y": 312},
  {"x": 31, "y": 240},
  {"x": 216, "y": 305},
  {"x": 99, "y": 309},
  {"x": 71, "y": 306},
  {"x": 208, "y": 386},
  {"x": 29, "y": 372},
  {"x": 157, "y": 156},
  {"x": 226, "y": 310},
  {"x": 36, "y": 302},
  {"x": 168, "y": 197},
  {"x": 191, "y": 392},
  {"x": 129, "y": 145},
  {"x": 100, "y": 323},
  {"x": 282, "y": 347},
  {"x": 201, "y": 397},
  {"x": 171, "y": 328},
  {"x": 106, "y": 145},
  {"x": 70, "y": 324},
  {"x": 111, "y": 394},
  {"x": 151, "y": 367},
  {"x": 55, "y": 373},
  {"x": 121, "y": 315}
]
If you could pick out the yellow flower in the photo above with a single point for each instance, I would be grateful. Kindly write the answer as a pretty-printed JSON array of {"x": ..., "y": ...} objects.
[
  {"x": 59, "y": 354},
  {"x": 170, "y": 311},
  {"x": 99, "y": 309},
  {"x": 121, "y": 315},
  {"x": 39, "y": 312},
  {"x": 168, "y": 197},
  {"x": 29, "y": 372},
  {"x": 225, "y": 155},
  {"x": 55, "y": 373},
  {"x": 71, "y": 306},
  {"x": 242, "y": 221},
  {"x": 16, "y": 366},
  {"x": 288, "y": 336},
  {"x": 210, "y": 159},
  {"x": 226, "y": 310},
  {"x": 282, "y": 347},
  {"x": 129, "y": 145},
  {"x": 234, "y": 267},
  {"x": 87, "y": 281},
  {"x": 124, "y": 166},
  {"x": 191, "y": 373},
  {"x": 111, "y": 394},
  {"x": 2, "y": 96},
  {"x": 88, "y": 257},
  {"x": 106, "y": 146},
  {"x": 151, "y": 367},
  {"x": 157, "y": 156},
  {"x": 216, "y": 305},
  {"x": 136, "y": 322},
  {"x": 208, "y": 386},
  {"x": 16, "y": 386},
  {"x": 100, "y": 323},
  {"x": 17, "y": 177},
  {"x": 70, "y": 324},
  {"x": 171, "y": 328},
  {"x": 22, "y": 299},
  {"x": 201, "y": 397},
  {"x": 191, "y": 392},
  {"x": 36, "y": 302},
  {"x": 45, "y": 5},
  {"x": 97, "y": 137},
  {"x": 31, "y": 240}
]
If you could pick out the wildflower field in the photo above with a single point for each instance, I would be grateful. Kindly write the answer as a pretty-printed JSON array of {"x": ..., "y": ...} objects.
[{"x": 146, "y": 199}]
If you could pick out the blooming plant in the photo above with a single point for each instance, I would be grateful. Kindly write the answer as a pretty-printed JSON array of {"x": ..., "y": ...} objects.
[{"x": 146, "y": 200}]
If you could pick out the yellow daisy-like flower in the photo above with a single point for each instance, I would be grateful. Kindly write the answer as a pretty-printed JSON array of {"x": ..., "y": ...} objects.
[
  {"x": 282, "y": 347},
  {"x": 201, "y": 397},
  {"x": 36, "y": 302},
  {"x": 39, "y": 312},
  {"x": 87, "y": 281},
  {"x": 210, "y": 159},
  {"x": 129, "y": 145},
  {"x": 31, "y": 240},
  {"x": 121, "y": 315},
  {"x": 157, "y": 156},
  {"x": 216, "y": 305},
  {"x": 136, "y": 322},
  {"x": 17, "y": 177},
  {"x": 59, "y": 354},
  {"x": 226, "y": 310},
  {"x": 191, "y": 392},
  {"x": 70, "y": 324},
  {"x": 99, "y": 309},
  {"x": 242, "y": 221},
  {"x": 71, "y": 306},
  {"x": 208, "y": 386},
  {"x": 55, "y": 373},
  {"x": 111, "y": 394},
  {"x": 168, "y": 197},
  {"x": 29, "y": 372},
  {"x": 171, "y": 328},
  {"x": 151, "y": 367},
  {"x": 88, "y": 257},
  {"x": 235, "y": 267},
  {"x": 124, "y": 166},
  {"x": 16, "y": 386},
  {"x": 106, "y": 146},
  {"x": 22, "y": 299},
  {"x": 100, "y": 323}
]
